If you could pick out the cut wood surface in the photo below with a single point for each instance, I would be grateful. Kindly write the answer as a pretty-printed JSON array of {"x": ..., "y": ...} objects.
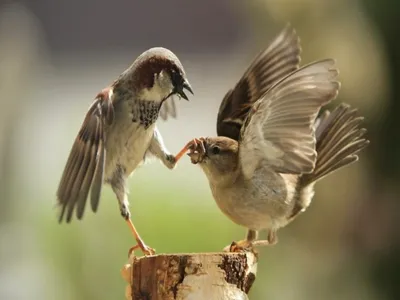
[{"x": 194, "y": 276}]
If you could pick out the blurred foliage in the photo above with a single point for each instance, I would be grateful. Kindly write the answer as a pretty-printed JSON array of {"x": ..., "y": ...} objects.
[{"x": 344, "y": 247}]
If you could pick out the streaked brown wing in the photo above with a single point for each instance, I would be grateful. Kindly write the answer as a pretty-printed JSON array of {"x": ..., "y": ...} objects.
[
  {"x": 281, "y": 58},
  {"x": 85, "y": 165},
  {"x": 280, "y": 126},
  {"x": 339, "y": 138}
]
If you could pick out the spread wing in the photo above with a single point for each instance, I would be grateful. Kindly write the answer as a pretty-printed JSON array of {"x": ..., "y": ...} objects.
[
  {"x": 280, "y": 126},
  {"x": 281, "y": 58},
  {"x": 168, "y": 109},
  {"x": 85, "y": 165}
]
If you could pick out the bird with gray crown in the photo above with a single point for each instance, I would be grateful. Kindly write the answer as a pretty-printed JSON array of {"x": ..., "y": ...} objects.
[{"x": 119, "y": 132}]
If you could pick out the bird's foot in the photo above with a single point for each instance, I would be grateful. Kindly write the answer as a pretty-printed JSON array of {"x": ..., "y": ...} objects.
[
  {"x": 197, "y": 150},
  {"x": 170, "y": 161},
  {"x": 240, "y": 246},
  {"x": 140, "y": 244},
  {"x": 193, "y": 145},
  {"x": 143, "y": 247},
  {"x": 248, "y": 246}
]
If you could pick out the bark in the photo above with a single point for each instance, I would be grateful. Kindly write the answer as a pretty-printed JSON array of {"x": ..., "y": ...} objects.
[{"x": 194, "y": 276}]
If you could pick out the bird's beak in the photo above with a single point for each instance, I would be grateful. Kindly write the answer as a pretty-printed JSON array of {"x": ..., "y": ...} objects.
[{"x": 186, "y": 86}]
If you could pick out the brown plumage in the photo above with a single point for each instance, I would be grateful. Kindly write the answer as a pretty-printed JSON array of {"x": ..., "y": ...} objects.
[
  {"x": 263, "y": 168},
  {"x": 339, "y": 139},
  {"x": 85, "y": 165},
  {"x": 279, "y": 59},
  {"x": 119, "y": 132}
]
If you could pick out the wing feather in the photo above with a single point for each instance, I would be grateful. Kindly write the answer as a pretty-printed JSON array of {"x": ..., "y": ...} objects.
[
  {"x": 168, "y": 109},
  {"x": 85, "y": 165},
  {"x": 279, "y": 129},
  {"x": 99, "y": 174},
  {"x": 281, "y": 58},
  {"x": 91, "y": 160}
]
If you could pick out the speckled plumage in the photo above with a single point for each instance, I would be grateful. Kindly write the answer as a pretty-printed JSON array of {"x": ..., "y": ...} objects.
[{"x": 119, "y": 131}]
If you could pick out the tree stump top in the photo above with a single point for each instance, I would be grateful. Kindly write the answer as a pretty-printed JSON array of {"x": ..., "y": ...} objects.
[{"x": 193, "y": 276}]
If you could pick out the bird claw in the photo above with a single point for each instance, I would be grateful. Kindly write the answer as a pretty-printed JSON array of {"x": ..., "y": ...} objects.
[
  {"x": 132, "y": 249},
  {"x": 190, "y": 146},
  {"x": 140, "y": 244},
  {"x": 248, "y": 246},
  {"x": 240, "y": 247},
  {"x": 147, "y": 251},
  {"x": 197, "y": 144},
  {"x": 197, "y": 150}
]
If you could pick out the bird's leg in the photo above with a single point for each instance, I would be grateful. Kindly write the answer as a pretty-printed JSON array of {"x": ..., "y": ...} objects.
[
  {"x": 158, "y": 149},
  {"x": 145, "y": 249},
  {"x": 193, "y": 145},
  {"x": 272, "y": 237},
  {"x": 271, "y": 240},
  {"x": 185, "y": 149},
  {"x": 118, "y": 186},
  {"x": 243, "y": 245},
  {"x": 251, "y": 241}
]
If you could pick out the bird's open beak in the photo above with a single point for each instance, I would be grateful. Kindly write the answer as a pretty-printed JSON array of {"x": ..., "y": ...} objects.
[{"x": 186, "y": 86}]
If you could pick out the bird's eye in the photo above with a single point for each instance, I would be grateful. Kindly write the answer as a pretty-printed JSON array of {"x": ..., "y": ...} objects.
[
  {"x": 215, "y": 150},
  {"x": 174, "y": 76}
]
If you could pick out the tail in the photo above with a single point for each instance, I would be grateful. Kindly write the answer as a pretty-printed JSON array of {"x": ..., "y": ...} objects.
[{"x": 339, "y": 139}]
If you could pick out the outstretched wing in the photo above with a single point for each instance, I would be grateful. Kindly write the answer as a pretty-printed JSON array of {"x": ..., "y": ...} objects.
[
  {"x": 168, "y": 109},
  {"x": 85, "y": 165},
  {"x": 281, "y": 58},
  {"x": 280, "y": 126}
]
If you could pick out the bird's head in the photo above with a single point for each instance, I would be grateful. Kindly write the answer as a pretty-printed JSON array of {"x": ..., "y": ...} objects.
[
  {"x": 158, "y": 74},
  {"x": 217, "y": 156}
]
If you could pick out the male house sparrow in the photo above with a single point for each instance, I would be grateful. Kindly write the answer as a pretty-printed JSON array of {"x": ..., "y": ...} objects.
[
  {"x": 271, "y": 149},
  {"x": 119, "y": 131}
]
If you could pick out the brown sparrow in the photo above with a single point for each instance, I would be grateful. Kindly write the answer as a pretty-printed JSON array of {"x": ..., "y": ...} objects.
[
  {"x": 270, "y": 148},
  {"x": 119, "y": 131}
]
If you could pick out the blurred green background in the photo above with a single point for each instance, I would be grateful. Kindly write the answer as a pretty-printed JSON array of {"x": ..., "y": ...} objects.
[{"x": 55, "y": 56}]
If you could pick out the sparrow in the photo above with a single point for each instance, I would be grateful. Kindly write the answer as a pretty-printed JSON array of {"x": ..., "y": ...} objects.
[
  {"x": 119, "y": 133},
  {"x": 271, "y": 148}
]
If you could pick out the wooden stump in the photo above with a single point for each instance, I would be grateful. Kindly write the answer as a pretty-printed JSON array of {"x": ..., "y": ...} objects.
[{"x": 195, "y": 276}]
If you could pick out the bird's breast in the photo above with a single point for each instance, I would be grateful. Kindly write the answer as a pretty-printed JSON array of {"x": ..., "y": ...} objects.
[
  {"x": 259, "y": 203},
  {"x": 127, "y": 141}
]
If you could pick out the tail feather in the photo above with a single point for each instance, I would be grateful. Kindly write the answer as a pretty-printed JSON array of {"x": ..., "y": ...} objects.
[{"x": 339, "y": 139}]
